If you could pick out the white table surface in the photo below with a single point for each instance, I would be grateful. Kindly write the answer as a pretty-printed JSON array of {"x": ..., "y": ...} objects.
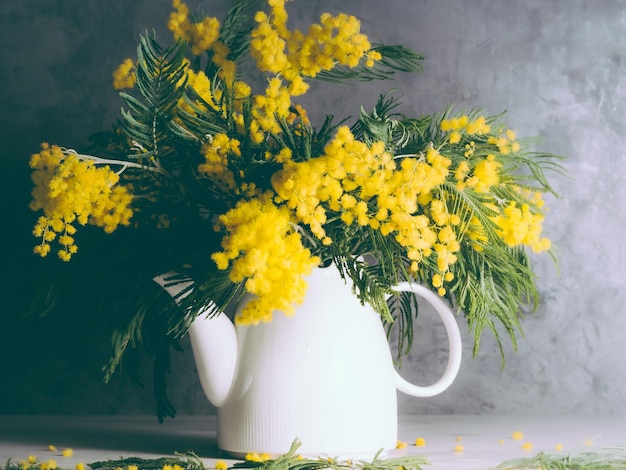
[{"x": 486, "y": 440}]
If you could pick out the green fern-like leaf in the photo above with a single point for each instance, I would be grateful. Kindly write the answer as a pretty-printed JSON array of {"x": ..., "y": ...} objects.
[
  {"x": 160, "y": 82},
  {"x": 395, "y": 58},
  {"x": 612, "y": 458}
]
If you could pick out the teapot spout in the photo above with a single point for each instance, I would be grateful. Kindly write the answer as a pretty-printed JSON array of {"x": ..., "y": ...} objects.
[{"x": 214, "y": 344}]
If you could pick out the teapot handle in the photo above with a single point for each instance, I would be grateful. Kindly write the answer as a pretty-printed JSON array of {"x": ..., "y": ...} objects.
[{"x": 454, "y": 342}]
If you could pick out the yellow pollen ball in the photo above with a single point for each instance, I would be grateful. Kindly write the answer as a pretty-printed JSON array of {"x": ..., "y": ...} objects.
[{"x": 221, "y": 465}]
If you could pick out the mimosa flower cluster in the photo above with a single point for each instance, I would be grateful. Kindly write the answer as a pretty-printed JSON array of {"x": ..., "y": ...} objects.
[
  {"x": 251, "y": 196},
  {"x": 70, "y": 190},
  {"x": 267, "y": 254}
]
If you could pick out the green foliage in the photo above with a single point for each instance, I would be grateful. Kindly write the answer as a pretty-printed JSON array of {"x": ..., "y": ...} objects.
[
  {"x": 288, "y": 461},
  {"x": 395, "y": 58},
  {"x": 490, "y": 284},
  {"x": 600, "y": 459},
  {"x": 292, "y": 461},
  {"x": 187, "y": 461},
  {"x": 159, "y": 74},
  {"x": 610, "y": 458}
]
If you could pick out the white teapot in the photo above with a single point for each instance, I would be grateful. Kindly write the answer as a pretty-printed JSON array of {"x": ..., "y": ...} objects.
[{"x": 324, "y": 375}]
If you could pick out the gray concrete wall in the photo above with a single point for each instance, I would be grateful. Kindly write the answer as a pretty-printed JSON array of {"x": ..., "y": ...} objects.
[{"x": 558, "y": 68}]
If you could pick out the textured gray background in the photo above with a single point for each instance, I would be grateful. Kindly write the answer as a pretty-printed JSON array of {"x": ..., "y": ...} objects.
[{"x": 558, "y": 68}]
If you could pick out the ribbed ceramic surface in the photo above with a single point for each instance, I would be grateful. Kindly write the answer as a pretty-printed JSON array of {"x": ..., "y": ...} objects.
[{"x": 324, "y": 376}]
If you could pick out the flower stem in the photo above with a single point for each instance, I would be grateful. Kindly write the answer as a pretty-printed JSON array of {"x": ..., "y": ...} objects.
[{"x": 123, "y": 163}]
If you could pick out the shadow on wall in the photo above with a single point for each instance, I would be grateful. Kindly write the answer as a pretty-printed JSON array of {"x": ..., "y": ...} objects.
[{"x": 57, "y": 88}]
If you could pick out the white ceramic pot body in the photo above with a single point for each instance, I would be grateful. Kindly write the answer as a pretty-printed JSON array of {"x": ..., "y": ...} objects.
[{"x": 324, "y": 375}]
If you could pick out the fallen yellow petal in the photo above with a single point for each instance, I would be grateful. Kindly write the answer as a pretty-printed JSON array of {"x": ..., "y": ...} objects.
[
  {"x": 67, "y": 452},
  {"x": 52, "y": 448},
  {"x": 400, "y": 444},
  {"x": 558, "y": 447},
  {"x": 221, "y": 465},
  {"x": 420, "y": 442},
  {"x": 527, "y": 446},
  {"x": 49, "y": 465},
  {"x": 459, "y": 448},
  {"x": 253, "y": 457},
  {"x": 518, "y": 435}
]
